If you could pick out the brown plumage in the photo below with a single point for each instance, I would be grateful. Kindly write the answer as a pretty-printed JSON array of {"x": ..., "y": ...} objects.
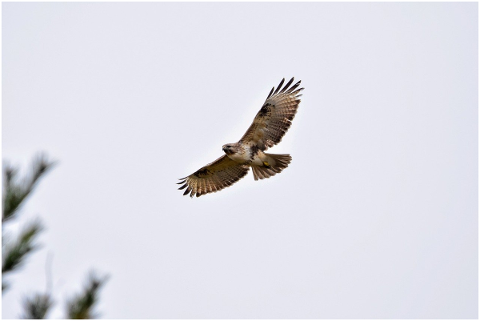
[
  {"x": 275, "y": 117},
  {"x": 213, "y": 177},
  {"x": 268, "y": 127}
]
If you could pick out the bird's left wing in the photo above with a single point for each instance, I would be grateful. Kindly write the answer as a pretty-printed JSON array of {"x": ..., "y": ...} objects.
[
  {"x": 213, "y": 177},
  {"x": 275, "y": 117}
]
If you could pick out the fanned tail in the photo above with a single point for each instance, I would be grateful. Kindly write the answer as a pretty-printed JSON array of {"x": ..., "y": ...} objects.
[{"x": 275, "y": 164}]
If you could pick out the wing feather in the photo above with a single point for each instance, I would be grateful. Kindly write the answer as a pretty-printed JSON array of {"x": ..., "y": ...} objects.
[
  {"x": 279, "y": 86},
  {"x": 213, "y": 177},
  {"x": 288, "y": 84},
  {"x": 275, "y": 117}
]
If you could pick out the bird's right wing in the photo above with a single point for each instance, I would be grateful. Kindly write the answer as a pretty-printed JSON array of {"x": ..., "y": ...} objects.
[
  {"x": 275, "y": 117},
  {"x": 213, "y": 177}
]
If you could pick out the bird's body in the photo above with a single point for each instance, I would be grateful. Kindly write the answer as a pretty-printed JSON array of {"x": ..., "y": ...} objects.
[
  {"x": 241, "y": 154},
  {"x": 267, "y": 129},
  {"x": 244, "y": 154}
]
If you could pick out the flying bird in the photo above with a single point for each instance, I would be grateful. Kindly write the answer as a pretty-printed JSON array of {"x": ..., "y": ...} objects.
[{"x": 267, "y": 130}]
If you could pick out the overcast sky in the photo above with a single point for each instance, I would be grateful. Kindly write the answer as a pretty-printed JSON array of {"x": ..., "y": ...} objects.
[{"x": 376, "y": 216}]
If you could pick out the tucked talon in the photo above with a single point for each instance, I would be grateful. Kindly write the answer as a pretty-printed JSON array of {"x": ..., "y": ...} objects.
[{"x": 266, "y": 164}]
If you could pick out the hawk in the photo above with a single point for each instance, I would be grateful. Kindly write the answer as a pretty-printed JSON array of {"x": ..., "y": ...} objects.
[{"x": 267, "y": 129}]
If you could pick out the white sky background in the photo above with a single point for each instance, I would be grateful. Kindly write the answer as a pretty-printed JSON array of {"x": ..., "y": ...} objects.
[{"x": 376, "y": 217}]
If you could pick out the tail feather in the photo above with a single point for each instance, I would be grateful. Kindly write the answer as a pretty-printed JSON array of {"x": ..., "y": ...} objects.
[{"x": 275, "y": 164}]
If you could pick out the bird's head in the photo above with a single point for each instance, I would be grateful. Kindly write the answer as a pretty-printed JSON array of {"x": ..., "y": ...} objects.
[{"x": 229, "y": 148}]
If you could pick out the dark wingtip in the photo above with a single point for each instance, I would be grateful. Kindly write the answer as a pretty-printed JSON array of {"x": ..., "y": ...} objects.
[
  {"x": 279, "y": 86},
  {"x": 297, "y": 91},
  {"x": 291, "y": 89},
  {"x": 271, "y": 91},
  {"x": 287, "y": 85}
]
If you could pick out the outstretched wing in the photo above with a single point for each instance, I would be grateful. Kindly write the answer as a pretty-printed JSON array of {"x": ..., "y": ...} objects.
[
  {"x": 275, "y": 116},
  {"x": 213, "y": 177}
]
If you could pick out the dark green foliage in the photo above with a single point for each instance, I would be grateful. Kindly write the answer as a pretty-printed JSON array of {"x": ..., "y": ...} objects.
[
  {"x": 15, "y": 250},
  {"x": 37, "y": 306},
  {"x": 14, "y": 253},
  {"x": 81, "y": 305},
  {"x": 15, "y": 191}
]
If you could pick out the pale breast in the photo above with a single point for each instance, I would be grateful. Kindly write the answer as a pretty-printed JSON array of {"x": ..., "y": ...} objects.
[{"x": 242, "y": 157}]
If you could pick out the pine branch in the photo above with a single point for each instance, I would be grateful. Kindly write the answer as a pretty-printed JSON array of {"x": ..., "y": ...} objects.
[
  {"x": 37, "y": 306},
  {"x": 81, "y": 305},
  {"x": 16, "y": 192},
  {"x": 14, "y": 253}
]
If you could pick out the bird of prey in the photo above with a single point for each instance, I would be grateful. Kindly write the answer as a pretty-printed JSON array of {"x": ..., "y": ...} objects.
[{"x": 267, "y": 129}]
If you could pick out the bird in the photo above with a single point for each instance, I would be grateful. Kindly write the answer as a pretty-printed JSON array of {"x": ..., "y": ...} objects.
[{"x": 267, "y": 129}]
